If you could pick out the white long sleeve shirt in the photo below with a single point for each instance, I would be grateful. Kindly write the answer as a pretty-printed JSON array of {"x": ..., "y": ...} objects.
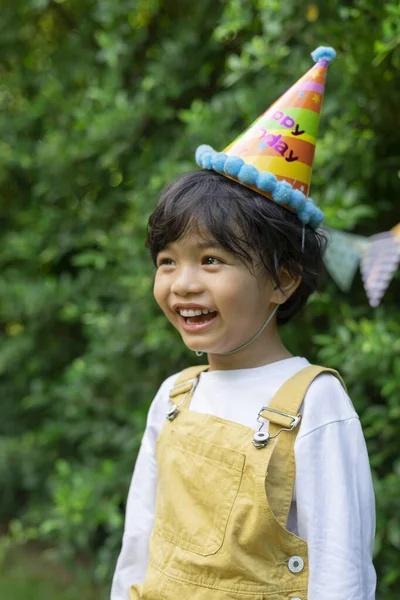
[{"x": 333, "y": 505}]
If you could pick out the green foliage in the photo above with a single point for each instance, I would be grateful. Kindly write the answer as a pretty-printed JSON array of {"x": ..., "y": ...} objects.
[
  {"x": 102, "y": 103},
  {"x": 33, "y": 573}
]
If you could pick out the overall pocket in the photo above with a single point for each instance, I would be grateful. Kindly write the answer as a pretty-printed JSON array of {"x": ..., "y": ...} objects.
[{"x": 198, "y": 484}]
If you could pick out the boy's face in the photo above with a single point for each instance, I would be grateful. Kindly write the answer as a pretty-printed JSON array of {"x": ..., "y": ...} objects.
[{"x": 193, "y": 273}]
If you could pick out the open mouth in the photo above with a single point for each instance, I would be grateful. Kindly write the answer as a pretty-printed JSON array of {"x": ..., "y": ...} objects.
[
  {"x": 201, "y": 318},
  {"x": 197, "y": 322}
]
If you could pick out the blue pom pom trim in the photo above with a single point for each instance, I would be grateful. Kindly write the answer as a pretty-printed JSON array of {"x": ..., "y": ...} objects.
[
  {"x": 219, "y": 161},
  {"x": 233, "y": 165},
  {"x": 307, "y": 212},
  {"x": 202, "y": 150},
  {"x": 316, "y": 218},
  {"x": 298, "y": 200},
  {"x": 281, "y": 191},
  {"x": 248, "y": 174},
  {"x": 266, "y": 182},
  {"x": 324, "y": 53}
]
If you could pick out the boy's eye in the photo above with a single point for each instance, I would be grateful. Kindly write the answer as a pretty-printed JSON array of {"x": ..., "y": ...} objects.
[
  {"x": 209, "y": 259},
  {"x": 164, "y": 261}
]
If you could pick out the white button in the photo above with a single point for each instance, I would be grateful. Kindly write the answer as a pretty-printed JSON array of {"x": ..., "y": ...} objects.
[
  {"x": 261, "y": 436},
  {"x": 296, "y": 564}
]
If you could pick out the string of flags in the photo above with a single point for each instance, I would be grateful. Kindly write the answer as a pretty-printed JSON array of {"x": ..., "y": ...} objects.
[{"x": 378, "y": 258}]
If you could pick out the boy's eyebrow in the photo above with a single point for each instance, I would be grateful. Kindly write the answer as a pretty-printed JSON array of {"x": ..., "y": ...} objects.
[
  {"x": 202, "y": 245},
  {"x": 209, "y": 244}
]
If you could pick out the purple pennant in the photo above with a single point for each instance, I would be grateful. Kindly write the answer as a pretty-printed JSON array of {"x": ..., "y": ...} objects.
[{"x": 378, "y": 265}]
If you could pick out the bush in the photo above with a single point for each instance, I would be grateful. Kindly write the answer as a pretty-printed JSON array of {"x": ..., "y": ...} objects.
[{"x": 102, "y": 104}]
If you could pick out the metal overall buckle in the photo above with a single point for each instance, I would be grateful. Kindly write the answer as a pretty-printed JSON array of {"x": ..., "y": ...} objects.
[
  {"x": 261, "y": 438},
  {"x": 173, "y": 409}
]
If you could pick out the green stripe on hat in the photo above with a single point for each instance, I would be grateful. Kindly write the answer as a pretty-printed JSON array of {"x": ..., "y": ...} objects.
[{"x": 304, "y": 118}]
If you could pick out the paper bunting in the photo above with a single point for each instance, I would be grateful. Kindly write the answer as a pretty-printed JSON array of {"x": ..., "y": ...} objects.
[
  {"x": 377, "y": 256},
  {"x": 343, "y": 255},
  {"x": 379, "y": 264}
]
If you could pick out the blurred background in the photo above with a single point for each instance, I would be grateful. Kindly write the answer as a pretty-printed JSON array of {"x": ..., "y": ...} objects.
[{"x": 102, "y": 102}]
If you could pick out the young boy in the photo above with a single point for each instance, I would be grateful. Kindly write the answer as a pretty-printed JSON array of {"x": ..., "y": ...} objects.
[{"x": 253, "y": 479}]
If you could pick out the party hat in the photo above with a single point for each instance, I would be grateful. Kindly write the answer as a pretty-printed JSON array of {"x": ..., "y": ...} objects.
[
  {"x": 274, "y": 156},
  {"x": 379, "y": 263}
]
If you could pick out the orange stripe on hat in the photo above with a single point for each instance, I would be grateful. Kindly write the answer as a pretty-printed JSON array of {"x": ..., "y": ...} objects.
[{"x": 277, "y": 145}]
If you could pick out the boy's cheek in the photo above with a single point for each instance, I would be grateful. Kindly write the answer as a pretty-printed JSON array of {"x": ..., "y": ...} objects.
[
  {"x": 165, "y": 309},
  {"x": 158, "y": 294},
  {"x": 163, "y": 304}
]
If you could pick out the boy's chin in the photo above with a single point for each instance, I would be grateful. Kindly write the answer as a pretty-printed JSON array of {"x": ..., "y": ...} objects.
[{"x": 193, "y": 348}]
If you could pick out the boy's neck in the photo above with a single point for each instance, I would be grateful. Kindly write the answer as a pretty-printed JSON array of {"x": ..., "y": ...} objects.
[{"x": 263, "y": 351}]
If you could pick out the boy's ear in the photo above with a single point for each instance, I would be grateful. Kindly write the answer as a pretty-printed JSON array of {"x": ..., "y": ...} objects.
[{"x": 288, "y": 285}]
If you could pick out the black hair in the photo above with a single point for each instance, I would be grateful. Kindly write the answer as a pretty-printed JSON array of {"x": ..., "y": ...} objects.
[{"x": 258, "y": 231}]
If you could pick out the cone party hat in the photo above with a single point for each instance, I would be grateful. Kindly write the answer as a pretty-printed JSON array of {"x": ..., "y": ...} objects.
[{"x": 274, "y": 156}]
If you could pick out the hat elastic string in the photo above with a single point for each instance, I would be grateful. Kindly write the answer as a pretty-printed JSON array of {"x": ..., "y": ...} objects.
[{"x": 250, "y": 341}]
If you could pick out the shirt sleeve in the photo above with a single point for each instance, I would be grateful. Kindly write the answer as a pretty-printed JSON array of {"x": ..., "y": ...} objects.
[
  {"x": 336, "y": 511},
  {"x": 140, "y": 509}
]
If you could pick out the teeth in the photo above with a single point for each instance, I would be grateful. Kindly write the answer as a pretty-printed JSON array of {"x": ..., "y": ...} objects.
[{"x": 184, "y": 312}]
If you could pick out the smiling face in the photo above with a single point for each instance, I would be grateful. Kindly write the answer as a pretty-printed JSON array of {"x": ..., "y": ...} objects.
[{"x": 194, "y": 272}]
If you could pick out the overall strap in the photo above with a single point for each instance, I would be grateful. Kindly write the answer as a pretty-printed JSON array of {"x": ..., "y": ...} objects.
[
  {"x": 185, "y": 383},
  {"x": 290, "y": 396},
  {"x": 279, "y": 483}
]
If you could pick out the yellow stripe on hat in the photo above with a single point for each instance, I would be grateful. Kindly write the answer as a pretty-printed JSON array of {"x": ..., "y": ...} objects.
[
  {"x": 280, "y": 167},
  {"x": 284, "y": 131}
]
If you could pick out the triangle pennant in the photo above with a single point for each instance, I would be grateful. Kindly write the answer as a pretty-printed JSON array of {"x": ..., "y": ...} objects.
[
  {"x": 342, "y": 256},
  {"x": 379, "y": 264}
]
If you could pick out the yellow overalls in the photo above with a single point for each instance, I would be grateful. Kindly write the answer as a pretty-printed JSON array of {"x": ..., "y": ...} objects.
[{"x": 223, "y": 498}]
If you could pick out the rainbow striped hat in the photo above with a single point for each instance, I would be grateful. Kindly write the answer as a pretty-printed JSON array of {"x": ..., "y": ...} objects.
[{"x": 274, "y": 156}]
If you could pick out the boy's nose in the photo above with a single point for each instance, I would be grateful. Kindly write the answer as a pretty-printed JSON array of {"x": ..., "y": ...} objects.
[{"x": 187, "y": 282}]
